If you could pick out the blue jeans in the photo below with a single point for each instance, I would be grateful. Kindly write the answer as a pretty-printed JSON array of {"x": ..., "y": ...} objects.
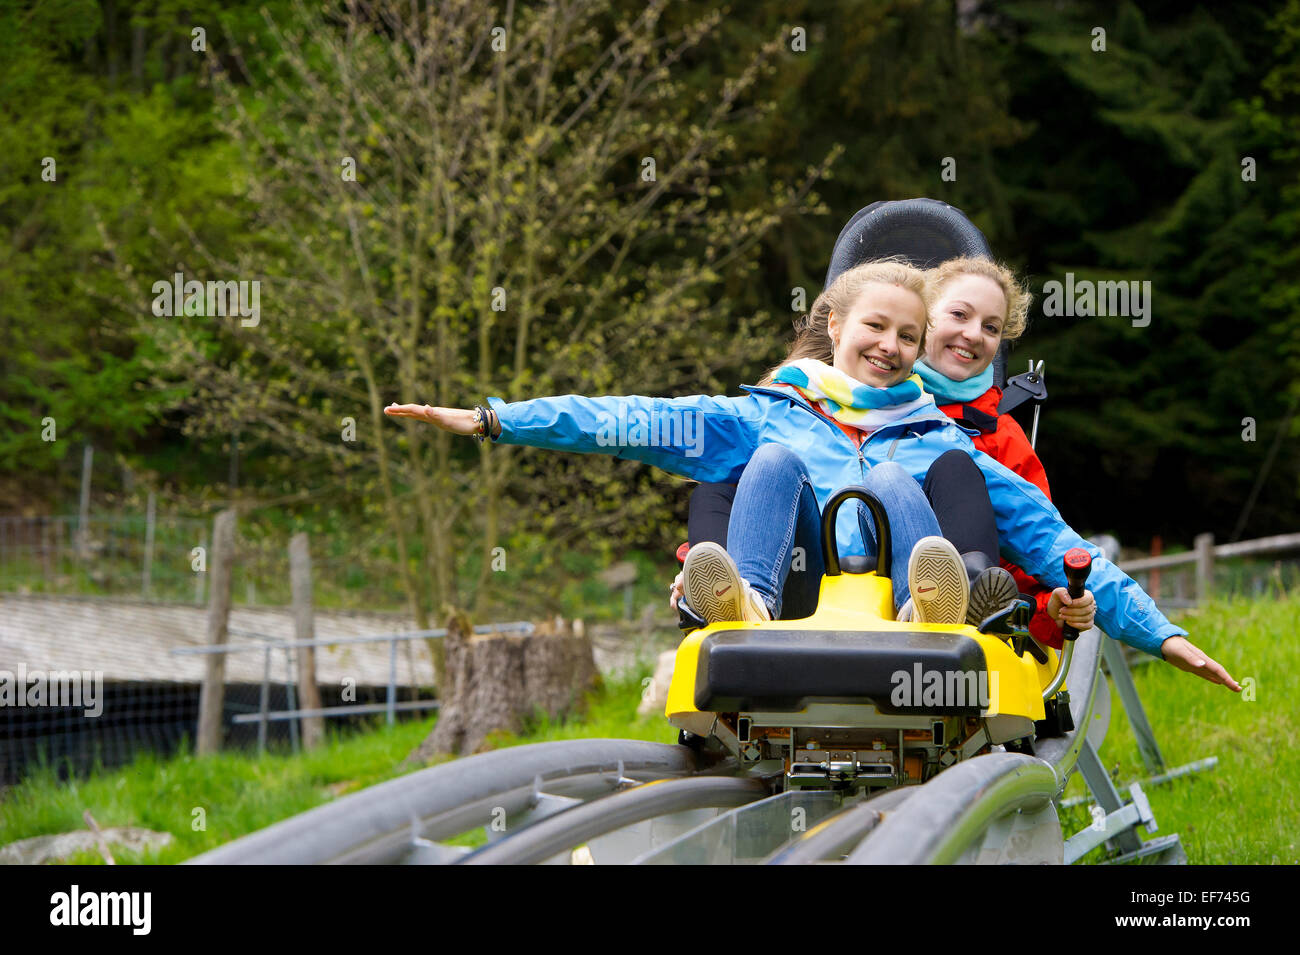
[{"x": 775, "y": 519}]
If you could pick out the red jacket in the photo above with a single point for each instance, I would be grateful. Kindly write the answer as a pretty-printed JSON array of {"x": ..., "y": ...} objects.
[{"x": 1004, "y": 440}]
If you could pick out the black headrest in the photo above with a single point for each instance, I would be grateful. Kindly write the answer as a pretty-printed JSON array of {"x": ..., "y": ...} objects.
[{"x": 925, "y": 232}]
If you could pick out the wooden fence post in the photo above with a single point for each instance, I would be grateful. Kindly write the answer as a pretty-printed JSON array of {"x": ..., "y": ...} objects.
[
  {"x": 83, "y": 512},
  {"x": 313, "y": 727},
  {"x": 150, "y": 519},
  {"x": 1204, "y": 567},
  {"x": 199, "y": 578},
  {"x": 212, "y": 698},
  {"x": 1153, "y": 579}
]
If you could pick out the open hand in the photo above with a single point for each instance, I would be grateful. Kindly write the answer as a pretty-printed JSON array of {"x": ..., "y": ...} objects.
[
  {"x": 1078, "y": 612},
  {"x": 455, "y": 420},
  {"x": 1185, "y": 655}
]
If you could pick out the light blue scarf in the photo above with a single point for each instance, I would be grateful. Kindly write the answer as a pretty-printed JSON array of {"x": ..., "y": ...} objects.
[{"x": 946, "y": 391}]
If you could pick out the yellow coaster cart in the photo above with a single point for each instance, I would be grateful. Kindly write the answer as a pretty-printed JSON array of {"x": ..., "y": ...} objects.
[{"x": 849, "y": 698}]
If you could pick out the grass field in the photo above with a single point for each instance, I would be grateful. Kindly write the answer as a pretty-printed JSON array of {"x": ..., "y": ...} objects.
[
  {"x": 1244, "y": 811},
  {"x": 1247, "y": 809},
  {"x": 241, "y": 793}
]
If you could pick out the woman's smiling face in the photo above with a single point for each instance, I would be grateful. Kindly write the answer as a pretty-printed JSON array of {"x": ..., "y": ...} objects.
[
  {"x": 965, "y": 326},
  {"x": 877, "y": 342}
]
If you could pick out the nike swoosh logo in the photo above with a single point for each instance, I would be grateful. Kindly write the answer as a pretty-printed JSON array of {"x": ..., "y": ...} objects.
[
  {"x": 925, "y": 590},
  {"x": 719, "y": 593}
]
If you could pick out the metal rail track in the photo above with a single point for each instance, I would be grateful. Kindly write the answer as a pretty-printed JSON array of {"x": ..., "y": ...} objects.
[
  {"x": 573, "y": 827},
  {"x": 943, "y": 819},
  {"x": 840, "y": 832},
  {"x": 399, "y": 820},
  {"x": 564, "y": 794},
  {"x": 954, "y": 810},
  {"x": 950, "y": 817}
]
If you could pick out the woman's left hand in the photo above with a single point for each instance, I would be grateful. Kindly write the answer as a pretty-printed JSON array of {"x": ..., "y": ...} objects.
[
  {"x": 1078, "y": 612},
  {"x": 1186, "y": 655},
  {"x": 675, "y": 592}
]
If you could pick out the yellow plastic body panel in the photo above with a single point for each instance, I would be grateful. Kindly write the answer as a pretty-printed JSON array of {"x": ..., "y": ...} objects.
[{"x": 865, "y": 602}]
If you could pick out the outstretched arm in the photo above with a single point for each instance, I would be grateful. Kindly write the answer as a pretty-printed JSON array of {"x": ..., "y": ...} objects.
[
  {"x": 1035, "y": 536},
  {"x": 699, "y": 437}
]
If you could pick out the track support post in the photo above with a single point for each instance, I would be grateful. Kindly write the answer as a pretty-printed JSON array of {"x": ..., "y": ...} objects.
[
  {"x": 1118, "y": 828},
  {"x": 1113, "y": 654}
]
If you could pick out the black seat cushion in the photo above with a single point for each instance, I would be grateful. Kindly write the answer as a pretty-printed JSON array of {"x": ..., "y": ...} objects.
[{"x": 784, "y": 670}]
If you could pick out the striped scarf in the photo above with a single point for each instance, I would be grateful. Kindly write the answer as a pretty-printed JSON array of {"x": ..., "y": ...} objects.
[{"x": 848, "y": 400}]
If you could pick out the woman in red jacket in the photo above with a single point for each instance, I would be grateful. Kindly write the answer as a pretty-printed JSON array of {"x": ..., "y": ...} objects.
[{"x": 977, "y": 305}]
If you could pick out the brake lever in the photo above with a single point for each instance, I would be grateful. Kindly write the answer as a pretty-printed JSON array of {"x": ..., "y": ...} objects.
[{"x": 1012, "y": 625}]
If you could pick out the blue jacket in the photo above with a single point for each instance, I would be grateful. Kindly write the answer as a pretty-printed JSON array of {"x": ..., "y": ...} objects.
[{"x": 712, "y": 439}]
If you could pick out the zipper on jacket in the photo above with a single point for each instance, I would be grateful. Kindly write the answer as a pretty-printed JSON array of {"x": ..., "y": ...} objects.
[
  {"x": 816, "y": 414},
  {"x": 862, "y": 461}
]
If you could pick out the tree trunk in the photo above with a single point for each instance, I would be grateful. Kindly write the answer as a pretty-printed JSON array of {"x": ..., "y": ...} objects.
[
  {"x": 137, "y": 57},
  {"x": 495, "y": 682}
]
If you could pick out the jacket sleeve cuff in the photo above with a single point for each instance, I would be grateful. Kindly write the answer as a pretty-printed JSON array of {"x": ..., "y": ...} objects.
[
  {"x": 503, "y": 419},
  {"x": 1153, "y": 642},
  {"x": 1044, "y": 629}
]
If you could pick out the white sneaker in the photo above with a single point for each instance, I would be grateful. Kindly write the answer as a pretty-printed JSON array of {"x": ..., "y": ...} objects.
[
  {"x": 905, "y": 612},
  {"x": 937, "y": 580},
  {"x": 716, "y": 591}
]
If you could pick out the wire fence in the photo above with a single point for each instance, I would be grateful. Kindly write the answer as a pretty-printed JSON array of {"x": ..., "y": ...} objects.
[
  {"x": 90, "y": 681},
  {"x": 119, "y": 555},
  {"x": 159, "y": 718},
  {"x": 162, "y": 558},
  {"x": 268, "y": 645},
  {"x": 63, "y": 581}
]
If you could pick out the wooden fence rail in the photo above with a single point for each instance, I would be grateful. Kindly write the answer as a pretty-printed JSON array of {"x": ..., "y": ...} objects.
[{"x": 1205, "y": 552}]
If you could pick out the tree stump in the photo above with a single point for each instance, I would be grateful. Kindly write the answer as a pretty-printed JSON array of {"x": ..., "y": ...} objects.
[{"x": 495, "y": 682}]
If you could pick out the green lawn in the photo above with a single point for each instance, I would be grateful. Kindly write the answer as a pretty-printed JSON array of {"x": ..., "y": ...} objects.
[
  {"x": 240, "y": 793},
  {"x": 1245, "y": 811}
]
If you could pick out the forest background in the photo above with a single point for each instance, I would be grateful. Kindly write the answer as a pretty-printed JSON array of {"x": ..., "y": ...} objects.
[{"x": 499, "y": 231}]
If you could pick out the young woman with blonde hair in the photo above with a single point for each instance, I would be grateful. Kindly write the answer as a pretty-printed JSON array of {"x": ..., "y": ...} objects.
[{"x": 788, "y": 444}]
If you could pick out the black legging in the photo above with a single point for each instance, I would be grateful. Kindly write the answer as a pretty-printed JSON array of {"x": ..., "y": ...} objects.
[
  {"x": 956, "y": 490},
  {"x": 710, "y": 513},
  {"x": 954, "y": 486}
]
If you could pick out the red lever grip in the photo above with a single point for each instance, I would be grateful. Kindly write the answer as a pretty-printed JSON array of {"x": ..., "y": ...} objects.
[{"x": 1077, "y": 565}]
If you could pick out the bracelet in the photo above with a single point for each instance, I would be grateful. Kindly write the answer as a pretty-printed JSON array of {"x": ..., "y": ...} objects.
[{"x": 485, "y": 418}]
